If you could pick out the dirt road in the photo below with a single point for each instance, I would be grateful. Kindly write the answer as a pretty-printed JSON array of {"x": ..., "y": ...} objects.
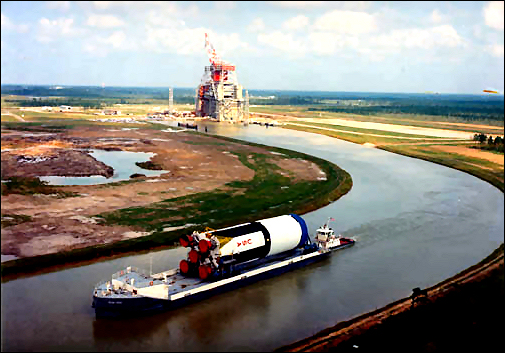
[{"x": 14, "y": 115}]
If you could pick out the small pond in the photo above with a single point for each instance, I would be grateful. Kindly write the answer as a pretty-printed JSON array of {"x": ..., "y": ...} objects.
[{"x": 123, "y": 163}]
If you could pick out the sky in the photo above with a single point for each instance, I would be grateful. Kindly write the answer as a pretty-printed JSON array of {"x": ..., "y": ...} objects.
[{"x": 357, "y": 46}]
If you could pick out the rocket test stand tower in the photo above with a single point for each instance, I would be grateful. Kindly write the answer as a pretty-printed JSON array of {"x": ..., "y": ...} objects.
[{"x": 219, "y": 95}]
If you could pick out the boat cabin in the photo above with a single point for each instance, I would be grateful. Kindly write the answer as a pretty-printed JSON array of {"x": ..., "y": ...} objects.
[{"x": 324, "y": 233}]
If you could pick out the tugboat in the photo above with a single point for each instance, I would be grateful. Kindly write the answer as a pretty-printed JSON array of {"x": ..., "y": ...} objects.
[
  {"x": 327, "y": 240},
  {"x": 257, "y": 250}
]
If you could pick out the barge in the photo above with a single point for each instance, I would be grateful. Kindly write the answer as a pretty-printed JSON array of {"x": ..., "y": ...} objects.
[{"x": 255, "y": 251}]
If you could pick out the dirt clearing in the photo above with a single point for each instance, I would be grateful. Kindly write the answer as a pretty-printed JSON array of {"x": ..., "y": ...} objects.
[
  {"x": 471, "y": 152},
  {"x": 194, "y": 163}
]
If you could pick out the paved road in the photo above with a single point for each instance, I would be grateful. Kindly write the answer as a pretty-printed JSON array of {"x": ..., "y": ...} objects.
[{"x": 377, "y": 135}]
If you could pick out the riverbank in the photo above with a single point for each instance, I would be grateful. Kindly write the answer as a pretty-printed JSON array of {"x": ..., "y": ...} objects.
[
  {"x": 124, "y": 218},
  {"x": 461, "y": 313}
]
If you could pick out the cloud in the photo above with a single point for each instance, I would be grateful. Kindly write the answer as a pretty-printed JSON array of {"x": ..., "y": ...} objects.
[
  {"x": 444, "y": 36},
  {"x": 117, "y": 40},
  {"x": 101, "y": 46},
  {"x": 101, "y": 5},
  {"x": 477, "y": 32},
  {"x": 225, "y": 5},
  {"x": 436, "y": 17},
  {"x": 104, "y": 21},
  {"x": 58, "y": 5},
  {"x": 296, "y": 23},
  {"x": 49, "y": 30},
  {"x": 311, "y": 5},
  {"x": 301, "y": 5},
  {"x": 496, "y": 50},
  {"x": 6, "y": 23},
  {"x": 493, "y": 14},
  {"x": 346, "y": 22},
  {"x": 171, "y": 9},
  {"x": 355, "y": 5},
  {"x": 158, "y": 19},
  {"x": 283, "y": 42},
  {"x": 190, "y": 41},
  {"x": 9, "y": 26},
  {"x": 256, "y": 25},
  {"x": 325, "y": 43},
  {"x": 167, "y": 14}
]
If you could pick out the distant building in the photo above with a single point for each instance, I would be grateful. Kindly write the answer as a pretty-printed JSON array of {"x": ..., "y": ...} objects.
[
  {"x": 111, "y": 112},
  {"x": 219, "y": 95}
]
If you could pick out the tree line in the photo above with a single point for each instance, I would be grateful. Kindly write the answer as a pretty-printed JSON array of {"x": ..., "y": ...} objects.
[{"x": 495, "y": 144}]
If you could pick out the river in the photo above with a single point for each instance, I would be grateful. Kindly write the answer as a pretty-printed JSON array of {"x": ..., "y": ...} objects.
[{"x": 416, "y": 223}]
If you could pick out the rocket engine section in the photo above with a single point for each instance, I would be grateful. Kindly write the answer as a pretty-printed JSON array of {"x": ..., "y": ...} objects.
[{"x": 250, "y": 241}]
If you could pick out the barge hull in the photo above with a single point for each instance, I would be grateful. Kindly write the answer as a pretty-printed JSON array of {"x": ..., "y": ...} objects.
[{"x": 128, "y": 307}]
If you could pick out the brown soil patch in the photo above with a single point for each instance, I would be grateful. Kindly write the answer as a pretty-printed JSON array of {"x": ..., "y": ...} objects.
[
  {"x": 471, "y": 152},
  {"x": 194, "y": 163},
  {"x": 302, "y": 169}
]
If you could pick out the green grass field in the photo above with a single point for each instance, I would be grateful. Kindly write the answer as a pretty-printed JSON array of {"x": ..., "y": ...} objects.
[
  {"x": 419, "y": 120},
  {"x": 368, "y": 131},
  {"x": 361, "y": 139},
  {"x": 8, "y": 118}
]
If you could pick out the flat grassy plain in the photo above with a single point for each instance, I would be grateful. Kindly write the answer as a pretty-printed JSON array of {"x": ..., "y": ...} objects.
[
  {"x": 401, "y": 143},
  {"x": 428, "y": 121},
  {"x": 6, "y": 117},
  {"x": 127, "y": 110}
]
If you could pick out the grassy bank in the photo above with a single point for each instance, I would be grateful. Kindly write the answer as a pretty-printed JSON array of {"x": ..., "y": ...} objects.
[
  {"x": 459, "y": 314},
  {"x": 268, "y": 194},
  {"x": 483, "y": 169},
  {"x": 31, "y": 186},
  {"x": 467, "y": 318}
]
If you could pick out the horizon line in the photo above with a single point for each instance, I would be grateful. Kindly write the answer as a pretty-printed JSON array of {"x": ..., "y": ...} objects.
[{"x": 499, "y": 93}]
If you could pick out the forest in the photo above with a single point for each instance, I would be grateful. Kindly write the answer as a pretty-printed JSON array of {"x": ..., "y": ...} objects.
[{"x": 468, "y": 107}]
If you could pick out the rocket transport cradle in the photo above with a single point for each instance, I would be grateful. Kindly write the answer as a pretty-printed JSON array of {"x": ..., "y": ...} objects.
[{"x": 256, "y": 250}]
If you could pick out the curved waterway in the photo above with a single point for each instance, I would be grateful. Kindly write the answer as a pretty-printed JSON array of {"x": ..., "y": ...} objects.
[{"x": 416, "y": 223}]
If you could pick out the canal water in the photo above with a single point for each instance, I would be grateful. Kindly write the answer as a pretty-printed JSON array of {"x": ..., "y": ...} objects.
[{"x": 416, "y": 223}]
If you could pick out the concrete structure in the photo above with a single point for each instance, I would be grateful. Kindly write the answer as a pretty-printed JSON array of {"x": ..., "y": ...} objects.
[
  {"x": 219, "y": 95},
  {"x": 170, "y": 100},
  {"x": 111, "y": 112}
]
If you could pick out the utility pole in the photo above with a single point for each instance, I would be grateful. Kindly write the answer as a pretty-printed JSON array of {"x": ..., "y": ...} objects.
[{"x": 170, "y": 100}]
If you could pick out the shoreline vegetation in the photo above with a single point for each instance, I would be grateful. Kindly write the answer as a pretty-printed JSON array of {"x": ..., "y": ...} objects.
[{"x": 260, "y": 196}]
